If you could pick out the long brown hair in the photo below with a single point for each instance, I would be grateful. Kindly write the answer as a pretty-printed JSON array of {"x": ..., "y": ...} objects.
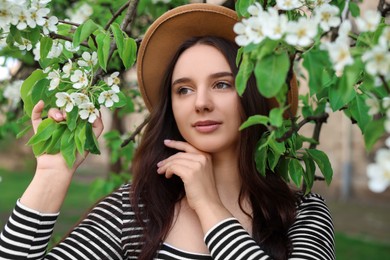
[{"x": 273, "y": 203}]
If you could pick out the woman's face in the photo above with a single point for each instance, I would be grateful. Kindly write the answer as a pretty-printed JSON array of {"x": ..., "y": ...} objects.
[{"x": 205, "y": 104}]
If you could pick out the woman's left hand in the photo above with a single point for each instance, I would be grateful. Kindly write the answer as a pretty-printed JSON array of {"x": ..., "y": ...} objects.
[{"x": 195, "y": 169}]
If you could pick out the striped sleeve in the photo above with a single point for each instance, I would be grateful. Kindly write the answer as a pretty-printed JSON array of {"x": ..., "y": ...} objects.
[
  {"x": 26, "y": 234},
  {"x": 312, "y": 235}
]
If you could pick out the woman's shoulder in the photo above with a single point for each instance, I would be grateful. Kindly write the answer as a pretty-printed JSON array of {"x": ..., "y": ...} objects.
[{"x": 311, "y": 202}]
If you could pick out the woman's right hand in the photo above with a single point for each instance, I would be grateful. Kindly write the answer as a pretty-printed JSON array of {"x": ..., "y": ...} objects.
[
  {"x": 56, "y": 162},
  {"x": 52, "y": 178}
]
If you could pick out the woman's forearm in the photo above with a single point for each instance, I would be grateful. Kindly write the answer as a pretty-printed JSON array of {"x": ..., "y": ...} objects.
[{"x": 47, "y": 190}]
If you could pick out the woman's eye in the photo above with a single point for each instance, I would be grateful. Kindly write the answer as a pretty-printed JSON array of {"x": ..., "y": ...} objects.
[
  {"x": 183, "y": 91},
  {"x": 222, "y": 85}
]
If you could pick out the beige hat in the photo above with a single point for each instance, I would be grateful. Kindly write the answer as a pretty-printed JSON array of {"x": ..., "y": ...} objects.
[{"x": 169, "y": 31}]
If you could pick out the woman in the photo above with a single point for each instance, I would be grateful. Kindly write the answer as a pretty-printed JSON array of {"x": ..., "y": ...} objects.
[{"x": 196, "y": 193}]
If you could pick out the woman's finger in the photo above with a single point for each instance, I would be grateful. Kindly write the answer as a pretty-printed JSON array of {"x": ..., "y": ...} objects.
[
  {"x": 36, "y": 115},
  {"x": 56, "y": 114},
  {"x": 97, "y": 126},
  {"x": 181, "y": 146}
]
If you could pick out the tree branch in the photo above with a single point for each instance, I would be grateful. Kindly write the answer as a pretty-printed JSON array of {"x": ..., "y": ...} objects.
[
  {"x": 135, "y": 133},
  {"x": 132, "y": 7},
  {"x": 66, "y": 38},
  {"x": 319, "y": 119},
  {"x": 116, "y": 15}
]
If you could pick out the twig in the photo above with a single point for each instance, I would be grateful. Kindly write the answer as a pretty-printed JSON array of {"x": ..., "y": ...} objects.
[
  {"x": 135, "y": 133},
  {"x": 68, "y": 22},
  {"x": 383, "y": 7},
  {"x": 385, "y": 83},
  {"x": 322, "y": 118},
  {"x": 345, "y": 10},
  {"x": 116, "y": 15},
  {"x": 132, "y": 7},
  {"x": 66, "y": 38}
]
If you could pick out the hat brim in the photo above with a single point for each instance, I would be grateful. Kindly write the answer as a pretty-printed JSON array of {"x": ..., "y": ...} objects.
[{"x": 169, "y": 31}]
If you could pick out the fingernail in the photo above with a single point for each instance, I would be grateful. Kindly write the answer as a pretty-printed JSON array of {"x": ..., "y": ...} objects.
[
  {"x": 58, "y": 116},
  {"x": 166, "y": 141},
  {"x": 159, "y": 164}
]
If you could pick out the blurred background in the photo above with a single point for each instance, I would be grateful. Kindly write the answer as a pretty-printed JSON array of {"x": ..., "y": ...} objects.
[{"x": 361, "y": 217}]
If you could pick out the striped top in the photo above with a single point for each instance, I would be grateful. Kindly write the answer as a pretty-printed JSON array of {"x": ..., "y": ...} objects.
[{"x": 110, "y": 232}]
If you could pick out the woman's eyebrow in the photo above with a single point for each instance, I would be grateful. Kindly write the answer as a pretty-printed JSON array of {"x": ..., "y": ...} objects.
[
  {"x": 222, "y": 74},
  {"x": 180, "y": 80}
]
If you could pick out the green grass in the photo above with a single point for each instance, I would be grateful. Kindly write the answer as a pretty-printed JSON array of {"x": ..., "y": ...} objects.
[{"x": 78, "y": 202}]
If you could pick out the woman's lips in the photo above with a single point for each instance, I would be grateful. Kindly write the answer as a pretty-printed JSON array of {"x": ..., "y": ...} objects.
[{"x": 207, "y": 126}]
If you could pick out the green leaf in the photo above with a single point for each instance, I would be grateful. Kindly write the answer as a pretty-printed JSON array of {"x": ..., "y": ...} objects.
[
  {"x": 80, "y": 137},
  {"x": 254, "y": 120},
  {"x": 129, "y": 53},
  {"x": 84, "y": 31},
  {"x": 296, "y": 171},
  {"x": 44, "y": 131},
  {"x": 354, "y": 9},
  {"x": 261, "y": 157},
  {"x": 373, "y": 131},
  {"x": 282, "y": 168},
  {"x": 271, "y": 72},
  {"x": 241, "y": 7},
  {"x": 244, "y": 72},
  {"x": 40, "y": 148},
  {"x": 323, "y": 163},
  {"x": 103, "y": 41},
  {"x": 273, "y": 159},
  {"x": 55, "y": 141},
  {"x": 91, "y": 143},
  {"x": 122, "y": 100},
  {"x": 309, "y": 173},
  {"x": 344, "y": 91},
  {"x": 276, "y": 116},
  {"x": 118, "y": 35},
  {"x": 316, "y": 62},
  {"x": 26, "y": 90},
  {"x": 277, "y": 147},
  {"x": 71, "y": 118},
  {"x": 24, "y": 131},
  {"x": 46, "y": 44},
  {"x": 39, "y": 90},
  {"x": 359, "y": 111},
  {"x": 68, "y": 148}
]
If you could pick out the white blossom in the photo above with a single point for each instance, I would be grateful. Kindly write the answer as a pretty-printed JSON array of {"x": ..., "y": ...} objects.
[
  {"x": 69, "y": 46},
  {"x": 88, "y": 111},
  {"x": 67, "y": 69},
  {"x": 12, "y": 93},
  {"x": 369, "y": 21},
  {"x": 288, "y": 4},
  {"x": 64, "y": 100},
  {"x": 38, "y": 16},
  {"x": 80, "y": 79},
  {"x": 108, "y": 98},
  {"x": 377, "y": 60},
  {"x": 79, "y": 98},
  {"x": 25, "y": 45},
  {"x": 56, "y": 50},
  {"x": 255, "y": 9},
  {"x": 276, "y": 24},
  {"x": 387, "y": 142},
  {"x": 5, "y": 15},
  {"x": 379, "y": 172},
  {"x": 50, "y": 25},
  {"x": 374, "y": 105},
  {"x": 113, "y": 81},
  {"x": 55, "y": 79},
  {"x": 242, "y": 29},
  {"x": 37, "y": 51},
  {"x": 88, "y": 59},
  {"x": 302, "y": 32},
  {"x": 39, "y": 3},
  {"x": 317, "y": 3},
  {"x": 384, "y": 39},
  {"x": 81, "y": 14},
  {"x": 21, "y": 18},
  {"x": 326, "y": 16},
  {"x": 386, "y": 102}
]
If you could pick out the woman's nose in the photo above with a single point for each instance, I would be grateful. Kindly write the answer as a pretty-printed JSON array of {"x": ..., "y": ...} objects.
[{"x": 203, "y": 101}]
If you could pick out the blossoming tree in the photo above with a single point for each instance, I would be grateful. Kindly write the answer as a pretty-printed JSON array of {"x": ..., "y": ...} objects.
[{"x": 77, "y": 67}]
